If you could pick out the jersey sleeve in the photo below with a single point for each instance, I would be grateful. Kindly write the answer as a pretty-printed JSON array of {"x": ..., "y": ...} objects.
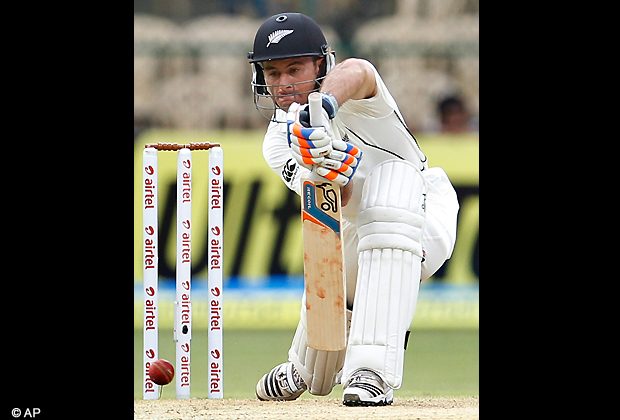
[
  {"x": 379, "y": 106},
  {"x": 279, "y": 158}
]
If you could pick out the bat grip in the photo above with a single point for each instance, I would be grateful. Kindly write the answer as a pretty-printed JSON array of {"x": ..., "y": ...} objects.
[{"x": 316, "y": 109}]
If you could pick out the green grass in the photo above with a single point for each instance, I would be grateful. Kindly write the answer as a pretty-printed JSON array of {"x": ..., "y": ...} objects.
[{"x": 437, "y": 362}]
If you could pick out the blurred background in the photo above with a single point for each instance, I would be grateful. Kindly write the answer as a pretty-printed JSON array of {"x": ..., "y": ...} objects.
[
  {"x": 192, "y": 83},
  {"x": 191, "y": 71}
]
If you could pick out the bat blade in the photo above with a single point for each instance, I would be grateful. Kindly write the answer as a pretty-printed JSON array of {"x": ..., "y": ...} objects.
[
  {"x": 323, "y": 255},
  {"x": 323, "y": 267}
]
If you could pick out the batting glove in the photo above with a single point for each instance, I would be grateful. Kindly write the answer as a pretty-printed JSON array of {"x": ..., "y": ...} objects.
[
  {"x": 309, "y": 145},
  {"x": 340, "y": 165}
]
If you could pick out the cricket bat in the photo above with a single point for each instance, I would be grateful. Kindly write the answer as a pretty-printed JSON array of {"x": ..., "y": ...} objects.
[{"x": 323, "y": 255}]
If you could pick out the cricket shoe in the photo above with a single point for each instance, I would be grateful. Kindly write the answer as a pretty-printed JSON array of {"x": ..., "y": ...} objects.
[
  {"x": 367, "y": 388},
  {"x": 283, "y": 383}
]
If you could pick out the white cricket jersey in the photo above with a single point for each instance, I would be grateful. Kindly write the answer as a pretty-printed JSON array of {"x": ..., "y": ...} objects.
[{"x": 373, "y": 125}]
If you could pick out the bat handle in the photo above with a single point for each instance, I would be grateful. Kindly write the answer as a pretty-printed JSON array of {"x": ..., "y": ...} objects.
[{"x": 315, "y": 106}]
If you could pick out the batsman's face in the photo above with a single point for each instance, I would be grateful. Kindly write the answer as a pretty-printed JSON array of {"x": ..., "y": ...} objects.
[{"x": 291, "y": 79}]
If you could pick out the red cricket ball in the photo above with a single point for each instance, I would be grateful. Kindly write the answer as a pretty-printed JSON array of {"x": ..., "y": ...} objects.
[{"x": 161, "y": 372}]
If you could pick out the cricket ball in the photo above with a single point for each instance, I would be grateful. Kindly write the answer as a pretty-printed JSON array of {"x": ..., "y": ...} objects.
[{"x": 161, "y": 372}]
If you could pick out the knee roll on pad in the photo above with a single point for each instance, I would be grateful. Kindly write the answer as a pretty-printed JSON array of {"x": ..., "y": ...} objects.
[{"x": 391, "y": 212}]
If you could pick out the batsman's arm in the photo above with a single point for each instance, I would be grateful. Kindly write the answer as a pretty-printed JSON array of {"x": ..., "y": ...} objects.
[
  {"x": 278, "y": 156},
  {"x": 354, "y": 78}
]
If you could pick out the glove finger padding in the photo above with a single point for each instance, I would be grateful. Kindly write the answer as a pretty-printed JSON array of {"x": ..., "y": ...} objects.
[
  {"x": 308, "y": 156},
  {"x": 305, "y": 156},
  {"x": 318, "y": 139},
  {"x": 332, "y": 175},
  {"x": 348, "y": 148},
  {"x": 340, "y": 165},
  {"x": 309, "y": 145},
  {"x": 309, "y": 135},
  {"x": 344, "y": 158}
]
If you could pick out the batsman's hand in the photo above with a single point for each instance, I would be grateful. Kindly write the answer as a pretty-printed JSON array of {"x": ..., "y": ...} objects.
[
  {"x": 341, "y": 163},
  {"x": 309, "y": 145}
]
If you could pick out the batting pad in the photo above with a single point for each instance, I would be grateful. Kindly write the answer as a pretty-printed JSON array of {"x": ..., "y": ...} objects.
[
  {"x": 390, "y": 224},
  {"x": 320, "y": 369}
]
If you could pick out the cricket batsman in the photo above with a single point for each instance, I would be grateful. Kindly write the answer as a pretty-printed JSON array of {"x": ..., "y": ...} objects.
[{"x": 398, "y": 215}]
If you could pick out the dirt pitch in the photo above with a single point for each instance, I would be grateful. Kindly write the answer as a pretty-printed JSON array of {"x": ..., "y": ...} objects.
[{"x": 307, "y": 409}]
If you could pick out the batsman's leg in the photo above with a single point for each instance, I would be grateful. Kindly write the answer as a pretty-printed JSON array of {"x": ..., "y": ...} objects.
[
  {"x": 320, "y": 369},
  {"x": 442, "y": 207},
  {"x": 389, "y": 226},
  {"x": 317, "y": 371}
]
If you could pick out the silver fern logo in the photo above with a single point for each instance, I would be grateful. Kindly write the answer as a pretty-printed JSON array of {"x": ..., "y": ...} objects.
[{"x": 276, "y": 36}]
